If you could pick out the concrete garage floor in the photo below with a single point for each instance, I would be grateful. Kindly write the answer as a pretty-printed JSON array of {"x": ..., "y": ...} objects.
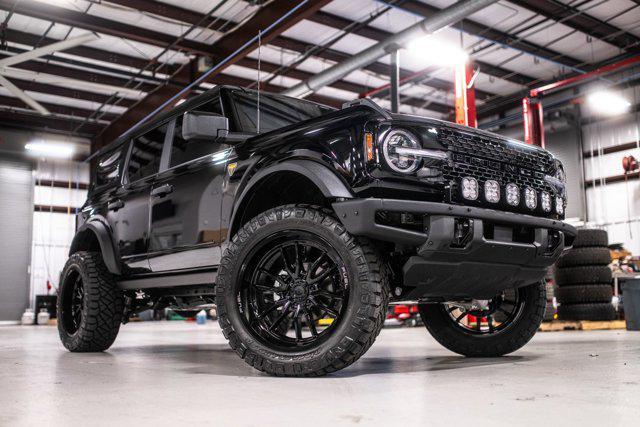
[{"x": 179, "y": 373}]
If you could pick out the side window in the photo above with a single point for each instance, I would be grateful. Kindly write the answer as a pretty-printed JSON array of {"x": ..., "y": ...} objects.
[
  {"x": 183, "y": 151},
  {"x": 108, "y": 167},
  {"x": 146, "y": 153}
]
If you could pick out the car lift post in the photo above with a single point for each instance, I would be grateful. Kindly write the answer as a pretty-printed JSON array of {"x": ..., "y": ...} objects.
[
  {"x": 465, "y": 96},
  {"x": 394, "y": 75},
  {"x": 533, "y": 119}
]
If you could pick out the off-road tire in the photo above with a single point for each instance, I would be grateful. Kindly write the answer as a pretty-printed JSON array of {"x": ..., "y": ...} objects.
[
  {"x": 591, "y": 238},
  {"x": 102, "y": 307},
  {"x": 593, "y": 293},
  {"x": 583, "y": 275},
  {"x": 585, "y": 256},
  {"x": 361, "y": 322},
  {"x": 604, "y": 311},
  {"x": 441, "y": 327}
]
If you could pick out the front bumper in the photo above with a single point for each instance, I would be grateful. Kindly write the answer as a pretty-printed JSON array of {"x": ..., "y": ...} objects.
[{"x": 491, "y": 258}]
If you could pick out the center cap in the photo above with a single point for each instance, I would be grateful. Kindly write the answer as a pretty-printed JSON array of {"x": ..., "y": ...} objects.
[{"x": 300, "y": 290}]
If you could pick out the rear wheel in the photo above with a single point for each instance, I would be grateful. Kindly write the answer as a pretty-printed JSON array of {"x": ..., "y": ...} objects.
[
  {"x": 90, "y": 306},
  {"x": 297, "y": 295},
  {"x": 490, "y": 328}
]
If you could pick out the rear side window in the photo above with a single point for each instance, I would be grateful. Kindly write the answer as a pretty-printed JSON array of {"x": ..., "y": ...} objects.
[
  {"x": 146, "y": 153},
  {"x": 108, "y": 168}
]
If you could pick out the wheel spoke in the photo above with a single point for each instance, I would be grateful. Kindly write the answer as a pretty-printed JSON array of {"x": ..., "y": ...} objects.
[
  {"x": 508, "y": 301},
  {"x": 459, "y": 318},
  {"x": 326, "y": 309},
  {"x": 267, "y": 288},
  {"x": 503, "y": 311},
  {"x": 283, "y": 315},
  {"x": 273, "y": 307},
  {"x": 273, "y": 277},
  {"x": 490, "y": 321},
  {"x": 296, "y": 323},
  {"x": 298, "y": 269},
  {"x": 323, "y": 276},
  {"x": 327, "y": 295},
  {"x": 478, "y": 322},
  {"x": 316, "y": 263},
  {"x": 287, "y": 267},
  {"x": 312, "y": 324}
]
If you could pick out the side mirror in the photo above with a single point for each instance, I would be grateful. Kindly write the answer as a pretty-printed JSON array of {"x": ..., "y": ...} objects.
[{"x": 199, "y": 125}]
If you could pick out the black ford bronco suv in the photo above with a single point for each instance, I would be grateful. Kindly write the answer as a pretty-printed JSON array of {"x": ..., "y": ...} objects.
[{"x": 300, "y": 223}]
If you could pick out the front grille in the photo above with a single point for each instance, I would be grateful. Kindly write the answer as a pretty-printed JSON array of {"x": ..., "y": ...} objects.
[{"x": 490, "y": 158}]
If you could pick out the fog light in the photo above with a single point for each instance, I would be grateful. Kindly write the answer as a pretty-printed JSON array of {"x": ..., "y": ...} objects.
[
  {"x": 530, "y": 198},
  {"x": 513, "y": 195},
  {"x": 469, "y": 188},
  {"x": 559, "y": 205},
  {"x": 546, "y": 201},
  {"x": 492, "y": 191}
]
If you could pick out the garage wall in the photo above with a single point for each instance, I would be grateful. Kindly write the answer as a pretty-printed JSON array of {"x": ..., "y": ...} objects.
[
  {"x": 53, "y": 231},
  {"x": 16, "y": 208}
]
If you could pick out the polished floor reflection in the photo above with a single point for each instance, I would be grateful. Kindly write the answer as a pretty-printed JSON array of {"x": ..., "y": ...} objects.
[{"x": 179, "y": 372}]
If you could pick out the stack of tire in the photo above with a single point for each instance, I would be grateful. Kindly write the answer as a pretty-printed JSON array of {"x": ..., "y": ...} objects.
[{"x": 584, "y": 279}]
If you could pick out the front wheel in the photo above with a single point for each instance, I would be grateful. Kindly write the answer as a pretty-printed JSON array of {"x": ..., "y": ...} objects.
[
  {"x": 297, "y": 295},
  {"x": 487, "y": 328}
]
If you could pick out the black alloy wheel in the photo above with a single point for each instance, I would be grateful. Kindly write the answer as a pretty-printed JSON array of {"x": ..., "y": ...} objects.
[
  {"x": 90, "y": 305},
  {"x": 72, "y": 301},
  {"x": 297, "y": 295},
  {"x": 503, "y": 325},
  {"x": 290, "y": 282},
  {"x": 501, "y": 311}
]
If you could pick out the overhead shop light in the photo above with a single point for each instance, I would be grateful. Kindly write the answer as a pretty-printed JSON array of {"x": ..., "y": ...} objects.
[
  {"x": 58, "y": 150},
  {"x": 437, "y": 52},
  {"x": 608, "y": 103}
]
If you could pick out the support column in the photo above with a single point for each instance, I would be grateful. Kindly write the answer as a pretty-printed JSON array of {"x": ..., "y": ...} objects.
[
  {"x": 465, "y": 95},
  {"x": 395, "y": 80},
  {"x": 533, "y": 121}
]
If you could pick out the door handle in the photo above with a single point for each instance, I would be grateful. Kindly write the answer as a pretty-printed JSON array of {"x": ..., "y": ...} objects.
[
  {"x": 161, "y": 191},
  {"x": 115, "y": 205}
]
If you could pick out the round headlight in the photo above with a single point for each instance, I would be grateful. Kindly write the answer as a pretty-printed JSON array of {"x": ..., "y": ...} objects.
[
  {"x": 404, "y": 163},
  {"x": 560, "y": 173}
]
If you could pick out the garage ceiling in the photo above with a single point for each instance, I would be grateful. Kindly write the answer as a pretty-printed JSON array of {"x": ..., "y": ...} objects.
[{"x": 148, "y": 49}]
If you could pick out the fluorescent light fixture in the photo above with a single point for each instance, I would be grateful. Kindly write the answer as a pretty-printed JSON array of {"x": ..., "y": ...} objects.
[
  {"x": 608, "y": 103},
  {"x": 437, "y": 52},
  {"x": 50, "y": 149}
]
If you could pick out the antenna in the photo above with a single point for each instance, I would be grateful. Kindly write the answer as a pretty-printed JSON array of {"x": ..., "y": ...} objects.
[{"x": 259, "y": 68}]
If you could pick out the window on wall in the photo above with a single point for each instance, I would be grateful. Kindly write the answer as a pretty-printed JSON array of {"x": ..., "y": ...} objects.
[
  {"x": 146, "y": 153},
  {"x": 183, "y": 150}
]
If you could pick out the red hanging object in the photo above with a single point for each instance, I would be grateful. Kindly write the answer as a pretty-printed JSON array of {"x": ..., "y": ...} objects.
[
  {"x": 49, "y": 287},
  {"x": 629, "y": 164}
]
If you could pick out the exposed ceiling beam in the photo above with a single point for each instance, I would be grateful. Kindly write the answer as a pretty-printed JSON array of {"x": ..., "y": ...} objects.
[
  {"x": 580, "y": 21},
  {"x": 377, "y": 34},
  {"x": 493, "y": 35},
  {"x": 114, "y": 58},
  {"x": 29, "y": 121},
  {"x": 177, "y": 13},
  {"x": 191, "y": 17},
  {"x": 233, "y": 45},
  {"x": 34, "y": 86},
  {"x": 8, "y": 101}
]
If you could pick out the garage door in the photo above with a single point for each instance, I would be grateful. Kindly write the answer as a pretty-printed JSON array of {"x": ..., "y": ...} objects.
[{"x": 16, "y": 217}]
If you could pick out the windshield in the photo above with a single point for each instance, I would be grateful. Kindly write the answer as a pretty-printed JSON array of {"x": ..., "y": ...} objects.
[{"x": 275, "y": 111}]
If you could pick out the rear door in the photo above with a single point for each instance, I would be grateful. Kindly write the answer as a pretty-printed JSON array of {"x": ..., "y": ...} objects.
[
  {"x": 129, "y": 205},
  {"x": 186, "y": 201}
]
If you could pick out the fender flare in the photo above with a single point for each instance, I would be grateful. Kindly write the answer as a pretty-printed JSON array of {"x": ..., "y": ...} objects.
[
  {"x": 100, "y": 229},
  {"x": 327, "y": 181}
]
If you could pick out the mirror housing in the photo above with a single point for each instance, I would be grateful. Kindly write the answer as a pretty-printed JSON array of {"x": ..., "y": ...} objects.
[{"x": 201, "y": 125}]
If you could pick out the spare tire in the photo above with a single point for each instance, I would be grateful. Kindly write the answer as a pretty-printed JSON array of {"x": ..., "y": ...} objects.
[
  {"x": 590, "y": 238},
  {"x": 586, "y": 312},
  {"x": 583, "y": 275},
  {"x": 585, "y": 256},
  {"x": 585, "y": 293}
]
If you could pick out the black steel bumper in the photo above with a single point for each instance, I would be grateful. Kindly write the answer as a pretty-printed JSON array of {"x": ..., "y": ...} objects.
[{"x": 492, "y": 257}]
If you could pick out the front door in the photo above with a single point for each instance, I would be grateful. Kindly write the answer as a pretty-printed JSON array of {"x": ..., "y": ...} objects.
[{"x": 186, "y": 205}]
